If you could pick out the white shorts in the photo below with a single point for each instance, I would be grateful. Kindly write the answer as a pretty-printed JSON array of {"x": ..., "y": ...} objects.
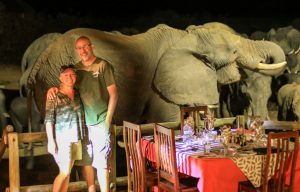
[{"x": 66, "y": 155}]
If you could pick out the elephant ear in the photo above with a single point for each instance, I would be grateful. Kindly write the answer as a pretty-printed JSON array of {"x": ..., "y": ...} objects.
[{"x": 183, "y": 78}]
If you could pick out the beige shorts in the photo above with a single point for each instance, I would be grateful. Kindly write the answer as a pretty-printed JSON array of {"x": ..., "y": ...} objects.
[{"x": 67, "y": 153}]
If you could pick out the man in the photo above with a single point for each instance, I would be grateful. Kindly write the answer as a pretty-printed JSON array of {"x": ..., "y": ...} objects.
[
  {"x": 64, "y": 121},
  {"x": 99, "y": 96}
]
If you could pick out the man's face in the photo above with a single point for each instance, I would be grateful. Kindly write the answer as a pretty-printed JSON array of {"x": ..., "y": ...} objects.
[
  {"x": 68, "y": 77},
  {"x": 84, "y": 49}
]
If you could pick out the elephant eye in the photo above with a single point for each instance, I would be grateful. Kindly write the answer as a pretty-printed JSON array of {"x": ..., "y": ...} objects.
[{"x": 235, "y": 52}]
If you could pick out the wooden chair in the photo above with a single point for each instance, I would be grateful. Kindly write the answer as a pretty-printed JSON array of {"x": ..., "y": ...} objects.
[
  {"x": 193, "y": 112},
  {"x": 139, "y": 179},
  {"x": 168, "y": 178},
  {"x": 285, "y": 162}
]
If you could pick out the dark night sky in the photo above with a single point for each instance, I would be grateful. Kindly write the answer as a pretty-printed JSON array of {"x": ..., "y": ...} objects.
[
  {"x": 125, "y": 11},
  {"x": 134, "y": 7},
  {"x": 242, "y": 15}
]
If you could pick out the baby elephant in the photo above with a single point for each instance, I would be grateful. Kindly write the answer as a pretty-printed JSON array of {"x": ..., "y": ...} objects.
[{"x": 289, "y": 102}]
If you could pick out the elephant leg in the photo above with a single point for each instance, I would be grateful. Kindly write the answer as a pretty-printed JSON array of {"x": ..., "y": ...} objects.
[{"x": 18, "y": 127}]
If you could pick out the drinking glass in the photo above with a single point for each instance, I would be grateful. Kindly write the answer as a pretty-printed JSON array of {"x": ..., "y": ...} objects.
[
  {"x": 209, "y": 122},
  {"x": 255, "y": 126},
  {"x": 225, "y": 141}
]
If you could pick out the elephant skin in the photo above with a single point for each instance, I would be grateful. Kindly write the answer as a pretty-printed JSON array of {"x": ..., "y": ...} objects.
[
  {"x": 247, "y": 97},
  {"x": 257, "y": 88},
  {"x": 160, "y": 69},
  {"x": 289, "y": 102},
  {"x": 32, "y": 53}
]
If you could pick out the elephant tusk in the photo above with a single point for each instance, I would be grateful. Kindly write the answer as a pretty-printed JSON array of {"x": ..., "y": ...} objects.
[
  {"x": 270, "y": 66},
  {"x": 296, "y": 52},
  {"x": 291, "y": 52}
]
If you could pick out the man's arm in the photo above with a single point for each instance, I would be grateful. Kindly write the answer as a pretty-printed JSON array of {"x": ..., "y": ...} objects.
[{"x": 112, "y": 103}]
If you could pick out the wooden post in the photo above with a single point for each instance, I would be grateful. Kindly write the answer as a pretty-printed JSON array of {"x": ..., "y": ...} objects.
[
  {"x": 3, "y": 142},
  {"x": 14, "y": 169}
]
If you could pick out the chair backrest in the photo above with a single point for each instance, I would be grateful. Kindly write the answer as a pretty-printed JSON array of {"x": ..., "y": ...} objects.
[
  {"x": 194, "y": 112},
  {"x": 166, "y": 156},
  {"x": 134, "y": 158},
  {"x": 286, "y": 144}
]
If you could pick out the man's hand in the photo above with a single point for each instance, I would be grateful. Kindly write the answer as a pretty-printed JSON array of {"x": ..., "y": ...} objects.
[{"x": 51, "y": 93}]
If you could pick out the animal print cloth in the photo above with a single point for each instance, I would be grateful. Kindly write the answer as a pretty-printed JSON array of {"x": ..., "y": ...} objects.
[{"x": 253, "y": 165}]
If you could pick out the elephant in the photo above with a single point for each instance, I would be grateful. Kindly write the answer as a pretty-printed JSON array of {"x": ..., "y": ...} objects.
[
  {"x": 288, "y": 38},
  {"x": 250, "y": 95},
  {"x": 32, "y": 53},
  {"x": 161, "y": 69},
  {"x": 289, "y": 102}
]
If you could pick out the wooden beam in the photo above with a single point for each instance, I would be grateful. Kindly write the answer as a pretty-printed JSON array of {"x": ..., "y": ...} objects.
[
  {"x": 32, "y": 137},
  {"x": 73, "y": 187}
]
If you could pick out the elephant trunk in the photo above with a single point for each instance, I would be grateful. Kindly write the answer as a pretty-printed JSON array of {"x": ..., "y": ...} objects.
[
  {"x": 274, "y": 56},
  {"x": 271, "y": 60}
]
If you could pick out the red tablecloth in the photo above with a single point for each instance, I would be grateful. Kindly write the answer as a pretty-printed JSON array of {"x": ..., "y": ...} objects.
[{"x": 215, "y": 174}]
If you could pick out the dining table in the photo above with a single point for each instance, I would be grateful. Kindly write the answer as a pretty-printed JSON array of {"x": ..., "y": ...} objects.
[{"x": 217, "y": 172}]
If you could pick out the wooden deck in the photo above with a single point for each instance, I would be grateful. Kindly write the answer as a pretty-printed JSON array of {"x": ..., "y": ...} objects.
[{"x": 15, "y": 177}]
